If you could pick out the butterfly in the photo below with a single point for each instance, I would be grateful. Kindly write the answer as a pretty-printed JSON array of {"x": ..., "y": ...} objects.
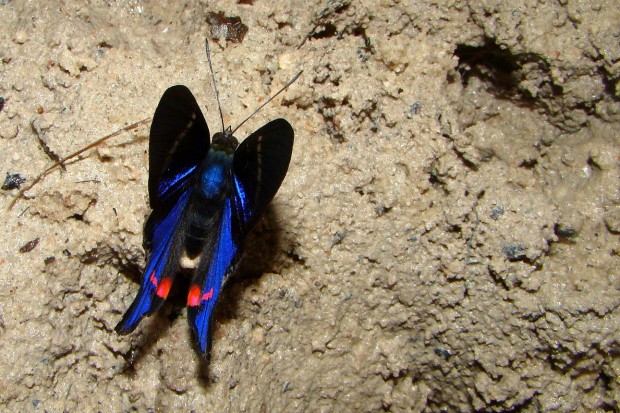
[{"x": 205, "y": 198}]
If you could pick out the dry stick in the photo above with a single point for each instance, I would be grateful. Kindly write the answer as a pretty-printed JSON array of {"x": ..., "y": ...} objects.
[{"x": 73, "y": 155}]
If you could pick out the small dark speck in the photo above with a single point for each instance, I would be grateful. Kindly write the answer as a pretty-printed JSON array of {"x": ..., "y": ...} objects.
[
  {"x": 514, "y": 252},
  {"x": 338, "y": 237},
  {"x": 2, "y": 103},
  {"x": 36, "y": 402},
  {"x": 443, "y": 353},
  {"x": 564, "y": 231},
  {"x": 130, "y": 358},
  {"x": 29, "y": 246},
  {"x": 229, "y": 28},
  {"x": 381, "y": 210},
  {"x": 414, "y": 109},
  {"x": 528, "y": 163},
  {"x": 497, "y": 211},
  {"x": 49, "y": 260},
  {"x": 445, "y": 126},
  {"x": 12, "y": 181},
  {"x": 433, "y": 178},
  {"x": 77, "y": 217}
]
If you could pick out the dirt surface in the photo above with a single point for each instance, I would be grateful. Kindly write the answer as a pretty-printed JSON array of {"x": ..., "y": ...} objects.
[{"x": 446, "y": 238}]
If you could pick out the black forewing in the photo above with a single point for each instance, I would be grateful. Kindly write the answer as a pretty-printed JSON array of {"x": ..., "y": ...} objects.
[
  {"x": 259, "y": 166},
  {"x": 179, "y": 141}
]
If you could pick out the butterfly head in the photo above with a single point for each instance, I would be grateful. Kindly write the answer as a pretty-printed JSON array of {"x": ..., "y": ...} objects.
[{"x": 225, "y": 141}]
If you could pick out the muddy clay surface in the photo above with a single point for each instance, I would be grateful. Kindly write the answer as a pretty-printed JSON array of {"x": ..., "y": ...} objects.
[{"x": 446, "y": 238}]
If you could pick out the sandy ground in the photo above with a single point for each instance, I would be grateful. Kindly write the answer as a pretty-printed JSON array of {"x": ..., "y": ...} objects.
[{"x": 446, "y": 238}]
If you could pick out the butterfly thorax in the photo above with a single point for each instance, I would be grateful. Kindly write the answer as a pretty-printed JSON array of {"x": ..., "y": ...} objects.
[
  {"x": 215, "y": 170},
  {"x": 214, "y": 175},
  {"x": 225, "y": 141}
]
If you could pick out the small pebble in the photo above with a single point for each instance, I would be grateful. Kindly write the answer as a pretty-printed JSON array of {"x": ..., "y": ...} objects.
[{"x": 21, "y": 37}]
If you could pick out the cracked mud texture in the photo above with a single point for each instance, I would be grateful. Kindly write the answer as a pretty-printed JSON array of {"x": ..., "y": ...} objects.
[{"x": 446, "y": 238}]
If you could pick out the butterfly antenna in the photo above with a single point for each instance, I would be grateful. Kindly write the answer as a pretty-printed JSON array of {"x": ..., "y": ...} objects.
[
  {"x": 217, "y": 93},
  {"x": 290, "y": 82}
]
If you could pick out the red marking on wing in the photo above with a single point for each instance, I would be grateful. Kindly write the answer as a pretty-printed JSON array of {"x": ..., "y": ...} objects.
[
  {"x": 164, "y": 288},
  {"x": 153, "y": 280},
  {"x": 193, "y": 297},
  {"x": 208, "y": 295}
]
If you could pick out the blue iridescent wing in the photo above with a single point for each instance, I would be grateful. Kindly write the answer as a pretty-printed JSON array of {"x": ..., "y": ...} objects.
[
  {"x": 259, "y": 166},
  {"x": 160, "y": 268},
  {"x": 219, "y": 260},
  {"x": 179, "y": 141}
]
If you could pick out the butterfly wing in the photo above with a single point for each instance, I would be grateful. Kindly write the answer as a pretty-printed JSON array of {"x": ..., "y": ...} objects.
[
  {"x": 220, "y": 257},
  {"x": 160, "y": 268},
  {"x": 179, "y": 141},
  {"x": 259, "y": 166}
]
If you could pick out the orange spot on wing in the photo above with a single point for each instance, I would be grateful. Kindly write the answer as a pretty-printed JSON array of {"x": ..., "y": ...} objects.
[
  {"x": 208, "y": 295},
  {"x": 153, "y": 280},
  {"x": 193, "y": 297},
  {"x": 164, "y": 288}
]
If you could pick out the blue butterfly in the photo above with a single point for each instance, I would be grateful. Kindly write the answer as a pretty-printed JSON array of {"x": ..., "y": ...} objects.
[{"x": 205, "y": 198}]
